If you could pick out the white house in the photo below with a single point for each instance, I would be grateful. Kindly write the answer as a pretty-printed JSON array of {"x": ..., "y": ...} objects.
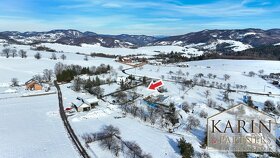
[
  {"x": 82, "y": 105},
  {"x": 122, "y": 79}
]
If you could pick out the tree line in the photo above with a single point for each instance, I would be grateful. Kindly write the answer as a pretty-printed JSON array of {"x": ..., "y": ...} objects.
[
  {"x": 11, "y": 52},
  {"x": 66, "y": 73}
]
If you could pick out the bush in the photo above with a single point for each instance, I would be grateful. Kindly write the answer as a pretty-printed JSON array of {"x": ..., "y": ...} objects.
[
  {"x": 203, "y": 114},
  {"x": 251, "y": 73},
  {"x": 186, "y": 107},
  {"x": 38, "y": 56},
  {"x": 186, "y": 149},
  {"x": 211, "y": 103},
  {"x": 269, "y": 106},
  {"x": 203, "y": 155}
]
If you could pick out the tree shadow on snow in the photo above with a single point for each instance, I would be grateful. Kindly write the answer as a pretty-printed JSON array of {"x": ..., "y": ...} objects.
[
  {"x": 199, "y": 133},
  {"x": 174, "y": 144}
]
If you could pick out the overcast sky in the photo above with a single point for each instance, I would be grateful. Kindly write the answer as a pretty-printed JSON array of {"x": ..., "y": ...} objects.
[{"x": 150, "y": 17}]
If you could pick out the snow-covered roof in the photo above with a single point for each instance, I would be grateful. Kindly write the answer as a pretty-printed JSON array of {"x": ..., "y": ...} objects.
[
  {"x": 91, "y": 100},
  {"x": 84, "y": 105},
  {"x": 77, "y": 102}
]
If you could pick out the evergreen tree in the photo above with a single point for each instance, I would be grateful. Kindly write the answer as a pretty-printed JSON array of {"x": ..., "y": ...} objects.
[
  {"x": 144, "y": 80},
  {"x": 88, "y": 85},
  {"x": 186, "y": 149},
  {"x": 97, "y": 81},
  {"x": 123, "y": 86}
]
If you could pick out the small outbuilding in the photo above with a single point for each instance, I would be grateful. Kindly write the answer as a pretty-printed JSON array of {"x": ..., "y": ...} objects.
[{"x": 93, "y": 102}]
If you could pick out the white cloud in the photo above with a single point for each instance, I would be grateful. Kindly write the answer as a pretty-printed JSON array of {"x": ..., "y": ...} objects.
[
  {"x": 111, "y": 5},
  {"x": 218, "y": 9}
]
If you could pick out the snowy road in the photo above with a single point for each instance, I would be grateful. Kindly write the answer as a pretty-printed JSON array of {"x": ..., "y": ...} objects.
[{"x": 68, "y": 127}]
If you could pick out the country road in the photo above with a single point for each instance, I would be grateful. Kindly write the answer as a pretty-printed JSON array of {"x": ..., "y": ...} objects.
[{"x": 67, "y": 125}]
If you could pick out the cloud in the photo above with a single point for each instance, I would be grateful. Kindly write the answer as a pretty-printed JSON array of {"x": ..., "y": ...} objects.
[
  {"x": 215, "y": 9},
  {"x": 218, "y": 9},
  {"x": 111, "y": 5}
]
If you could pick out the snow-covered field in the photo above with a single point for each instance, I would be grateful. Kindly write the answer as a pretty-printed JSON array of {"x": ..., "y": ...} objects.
[
  {"x": 86, "y": 48},
  {"x": 235, "y": 68},
  {"x": 31, "y": 127}
]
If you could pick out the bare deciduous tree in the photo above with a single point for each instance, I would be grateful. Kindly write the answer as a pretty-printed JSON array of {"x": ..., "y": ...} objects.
[
  {"x": 108, "y": 142},
  {"x": 38, "y": 78},
  {"x": 192, "y": 123},
  {"x": 85, "y": 58},
  {"x": 6, "y": 52},
  {"x": 63, "y": 56},
  {"x": 209, "y": 75},
  {"x": 225, "y": 96},
  {"x": 14, "y": 82},
  {"x": 211, "y": 103},
  {"x": 111, "y": 130},
  {"x": 53, "y": 57},
  {"x": 134, "y": 149},
  {"x": 22, "y": 53},
  {"x": 77, "y": 82},
  {"x": 226, "y": 77},
  {"x": 58, "y": 68},
  {"x": 261, "y": 72},
  {"x": 98, "y": 91},
  {"x": 14, "y": 53},
  {"x": 47, "y": 74},
  {"x": 207, "y": 93},
  {"x": 199, "y": 75}
]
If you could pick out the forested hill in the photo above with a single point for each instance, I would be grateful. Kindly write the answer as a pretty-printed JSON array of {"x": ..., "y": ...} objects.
[{"x": 263, "y": 52}]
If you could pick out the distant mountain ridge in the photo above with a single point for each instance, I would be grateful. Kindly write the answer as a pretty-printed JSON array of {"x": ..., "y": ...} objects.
[
  {"x": 75, "y": 37},
  {"x": 253, "y": 37},
  {"x": 206, "y": 40}
]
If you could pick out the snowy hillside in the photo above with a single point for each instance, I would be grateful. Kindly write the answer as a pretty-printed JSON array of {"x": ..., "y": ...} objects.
[
  {"x": 87, "y": 49},
  {"x": 233, "y": 45}
]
